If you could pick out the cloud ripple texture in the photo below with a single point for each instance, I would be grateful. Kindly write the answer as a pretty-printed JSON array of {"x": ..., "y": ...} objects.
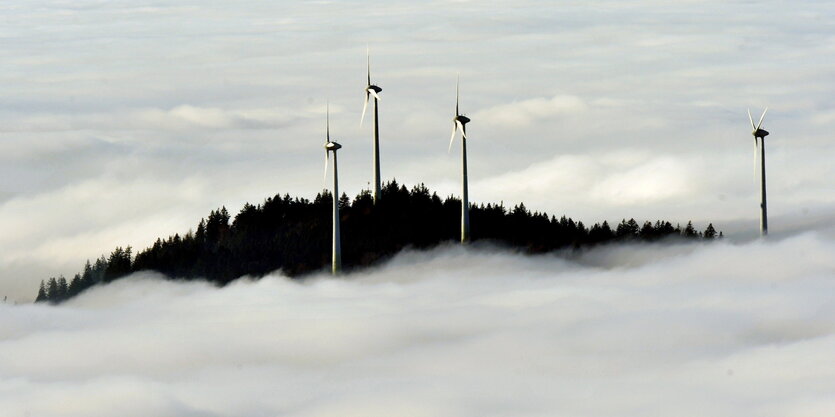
[{"x": 723, "y": 329}]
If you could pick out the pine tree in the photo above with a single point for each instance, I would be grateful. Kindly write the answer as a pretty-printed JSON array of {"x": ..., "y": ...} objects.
[
  {"x": 689, "y": 231},
  {"x": 627, "y": 229},
  {"x": 62, "y": 288},
  {"x": 119, "y": 264},
  {"x": 606, "y": 229},
  {"x": 53, "y": 294},
  {"x": 200, "y": 234},
  {"x": 647, "y": 232},
  {"x": 344, "y": 202},
  {"x": 75, "y": 287},
  {"x": 87, "y": 276},
  {"x": 42, "y": 296},
  {"x": 99, "y": 269},
  {"x": 710, "y": 232}
]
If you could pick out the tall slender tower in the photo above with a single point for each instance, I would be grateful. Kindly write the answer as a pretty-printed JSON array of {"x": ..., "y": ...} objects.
[
  {"x": 336, "y": 250},
  {"x": 759, "y": 141},
  {"x": 460, "y": 121},
  {"x": 465, "y": 194},
  {"x": 763, "y": 205},
  {"x": 372, "y": 90}
]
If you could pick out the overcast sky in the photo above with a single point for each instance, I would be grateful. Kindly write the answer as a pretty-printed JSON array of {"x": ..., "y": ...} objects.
[{"x": 122, "y": 121}]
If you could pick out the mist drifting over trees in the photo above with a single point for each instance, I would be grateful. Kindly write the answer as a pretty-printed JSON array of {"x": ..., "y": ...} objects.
[{"x": 293, "y": 235}]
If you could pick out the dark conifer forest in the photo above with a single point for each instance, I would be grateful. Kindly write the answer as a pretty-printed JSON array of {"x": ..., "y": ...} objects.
[{"x": 294, "y": 235}]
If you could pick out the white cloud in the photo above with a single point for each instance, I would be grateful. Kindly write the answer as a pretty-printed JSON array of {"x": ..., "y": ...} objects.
[
  {"x": 182, "y": 117},
  {"x": 193, "y": 116},
  {"x": 619, "y": 179},
  {"x": 526, "y": 112},
  {"x": 451, "y": 332},
  {"x": 645, "y": 181}
]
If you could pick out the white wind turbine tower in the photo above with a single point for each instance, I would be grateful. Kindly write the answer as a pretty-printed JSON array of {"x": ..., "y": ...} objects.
[
  {"x": 760, "y": 134},
  {"x": 373, "y": 90},
  {"x": 336, "y": 262},
  {"x": 461, "y": 121}
]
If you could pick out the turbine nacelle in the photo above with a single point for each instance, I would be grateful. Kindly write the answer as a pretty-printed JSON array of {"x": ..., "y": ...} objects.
[
  {"x": 756, "y": 128},
  {"x": 458, "y": 122},
  {"x": 329, "y": 144},
  {"x": 332, "y": 146},
  {"x": 371, "y": 90},
  {"x": 760, "y": 133}
]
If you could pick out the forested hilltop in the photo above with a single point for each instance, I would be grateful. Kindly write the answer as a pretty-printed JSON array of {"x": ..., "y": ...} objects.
[{"x": 294, "y": 235}]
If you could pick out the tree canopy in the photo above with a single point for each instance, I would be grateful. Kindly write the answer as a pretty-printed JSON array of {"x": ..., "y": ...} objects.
[{"x": 294, "y": 235}]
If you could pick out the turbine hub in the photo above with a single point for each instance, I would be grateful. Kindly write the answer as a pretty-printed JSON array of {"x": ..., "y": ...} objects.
[
  {"x": 462, "y": 119},
  {"x": 332, "y": 146},
  {"x": 374, "y": 87},
  {"x": 760, "y": 133}
]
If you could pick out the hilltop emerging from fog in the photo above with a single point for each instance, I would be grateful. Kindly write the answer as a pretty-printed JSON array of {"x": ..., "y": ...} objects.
[{"x": 294, "y": 235}]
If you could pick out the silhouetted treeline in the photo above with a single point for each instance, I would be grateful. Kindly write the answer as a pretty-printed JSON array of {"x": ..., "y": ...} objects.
[{"x": 294, "y": 235}]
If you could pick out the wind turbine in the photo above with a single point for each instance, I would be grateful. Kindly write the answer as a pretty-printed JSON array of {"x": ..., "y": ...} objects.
[
  {"x": 460, "y": 121},
  {"x": 760, "y": 134},
  {"x": 336, "y": 261},
  {"x": 373, "y": 90}
]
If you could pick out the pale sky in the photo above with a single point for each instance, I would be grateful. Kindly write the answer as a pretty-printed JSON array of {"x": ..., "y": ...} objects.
[{"x": 124, "y": 121}]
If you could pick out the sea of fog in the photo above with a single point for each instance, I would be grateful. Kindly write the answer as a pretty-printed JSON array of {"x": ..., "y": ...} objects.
[{"x": 721, "y": 329}]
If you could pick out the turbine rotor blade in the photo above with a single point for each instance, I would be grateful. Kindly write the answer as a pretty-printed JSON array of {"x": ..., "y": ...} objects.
[
  {"x": 463, "y": 131},
  {"x": 328, "y": 123},
  {"x": 761, "y": 119},
  {"x": 328, "y": 137},
  {"x": 364, "y": 106},
  {"x": 452, "y": 137},
  {"x": 751, "y": 119},
  {"x": 368, "y": 63},
  {"x": 457, "y": 81},
  {"x": 373, "y": 93},
  {"x": 325, "y": 176}
]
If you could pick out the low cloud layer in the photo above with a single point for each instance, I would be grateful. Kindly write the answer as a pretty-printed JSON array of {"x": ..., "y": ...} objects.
[{"x": 689, "y": 330}]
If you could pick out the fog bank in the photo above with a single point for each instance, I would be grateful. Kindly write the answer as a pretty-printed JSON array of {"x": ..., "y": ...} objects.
[{"x": 724, "y": 329}]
